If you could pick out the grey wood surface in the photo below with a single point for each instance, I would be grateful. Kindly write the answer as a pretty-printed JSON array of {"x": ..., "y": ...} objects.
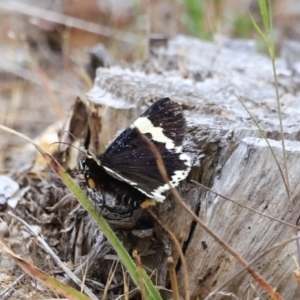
[{"x": 228, "y": 154}]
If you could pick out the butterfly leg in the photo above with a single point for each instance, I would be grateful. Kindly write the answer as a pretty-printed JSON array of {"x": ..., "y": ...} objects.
[{"x": 147, "y": 203}]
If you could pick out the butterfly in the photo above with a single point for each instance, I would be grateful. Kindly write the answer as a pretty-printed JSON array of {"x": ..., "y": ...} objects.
[{"x": 128, "y": 168}]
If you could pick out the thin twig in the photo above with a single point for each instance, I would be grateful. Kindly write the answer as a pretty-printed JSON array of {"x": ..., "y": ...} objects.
[
  {"x": 111, "y": 274},
  {"x": 160, "y": 164},
  {"x": 285, "y": 177},
  {"x": 7, "y": 291},
  {"x": 139, "y": 266},
  {"x": 181, "y": 255},
  {"x": 268, "y": 38},
  {"x": 98, "y": 251},
  {"x": 253, "y": 261},
  {"x": 291, "y": 203},
  {"x": 266, "y": 139},
  {"x": 56, "y": 258},
  {"x": 163, "y": 173},
  {"x": 173, "y": 278},
  {"x": 245, "y": 206}
]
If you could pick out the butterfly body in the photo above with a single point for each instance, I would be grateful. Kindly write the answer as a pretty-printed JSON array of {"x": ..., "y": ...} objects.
[
  {"x": 97, "y": 178},
  {"x": 128, "y": 168}
]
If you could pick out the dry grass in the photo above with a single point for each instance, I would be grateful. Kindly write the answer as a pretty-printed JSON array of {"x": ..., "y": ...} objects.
[{"x": 34, "y": 94}]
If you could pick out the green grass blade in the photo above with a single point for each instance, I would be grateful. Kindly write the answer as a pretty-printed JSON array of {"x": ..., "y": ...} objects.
[
  {"x": 151, "y": 291},
  {"x": 271, "y": 35},
  {"x": 258, "y": 30},
  {"x": 264, "y": 14},
  {"x": 195, "y": 18},
  {"x": 266, "y": 139}
]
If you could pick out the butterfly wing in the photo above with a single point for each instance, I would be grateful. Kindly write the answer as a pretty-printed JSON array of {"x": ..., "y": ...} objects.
[{"x": 129, "y": 158}]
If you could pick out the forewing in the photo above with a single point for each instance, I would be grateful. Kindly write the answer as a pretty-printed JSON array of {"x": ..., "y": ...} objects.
[{"x": 129, "y": 158}]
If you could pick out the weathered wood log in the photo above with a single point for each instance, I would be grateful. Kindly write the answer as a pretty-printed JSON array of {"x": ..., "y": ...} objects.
[{"x": 228, "y": 155}]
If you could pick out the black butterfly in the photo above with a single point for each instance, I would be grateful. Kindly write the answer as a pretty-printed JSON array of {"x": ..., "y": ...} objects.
[{"x": 128, "y": 168}]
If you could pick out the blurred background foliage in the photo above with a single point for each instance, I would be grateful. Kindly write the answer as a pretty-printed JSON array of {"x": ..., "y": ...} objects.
[
  {"x": 45, "y": 44},
  {"x": 200, "y": 18}
]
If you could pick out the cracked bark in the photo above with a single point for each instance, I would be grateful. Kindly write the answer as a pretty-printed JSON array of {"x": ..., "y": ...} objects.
[{"x": 227, "y": 152}]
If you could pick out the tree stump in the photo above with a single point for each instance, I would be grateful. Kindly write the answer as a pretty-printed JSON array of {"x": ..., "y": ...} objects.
[{"x": 228, "y": 153}]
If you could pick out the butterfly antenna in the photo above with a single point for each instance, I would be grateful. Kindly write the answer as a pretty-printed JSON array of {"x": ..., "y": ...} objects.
[
  {"x": 72, "y": 135},
  {"x": 81, "y": 149}
]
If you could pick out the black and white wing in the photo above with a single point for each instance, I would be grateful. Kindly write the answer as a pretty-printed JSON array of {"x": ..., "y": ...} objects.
[{"x": 129, "y": 158}]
